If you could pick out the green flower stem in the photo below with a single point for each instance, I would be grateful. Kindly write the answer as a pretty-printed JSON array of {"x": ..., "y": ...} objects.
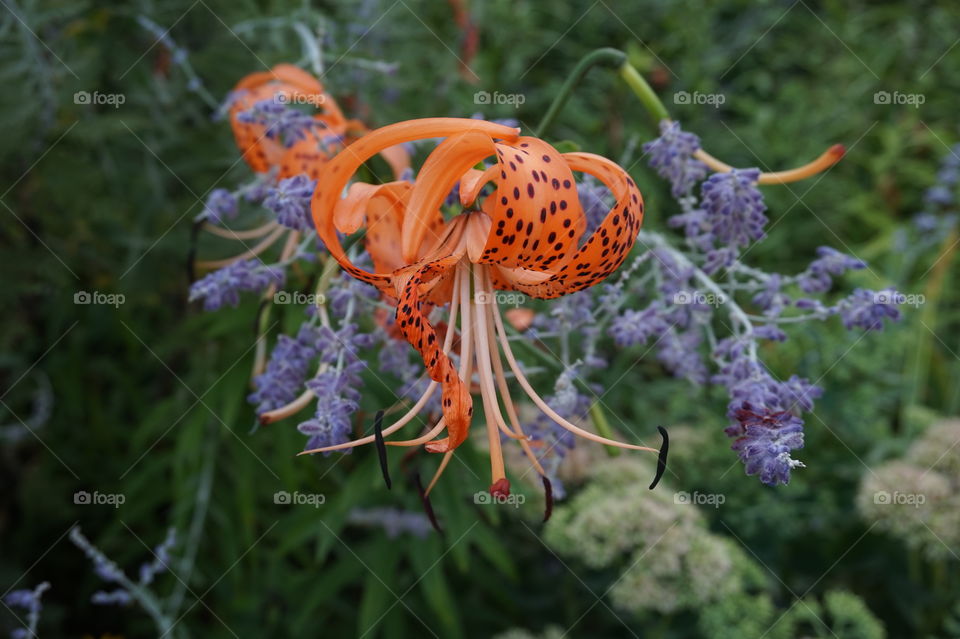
[
  {"x": 611, "y": 58},
  {"x": 643, "y": 91},
  {"x": 602, "y": 425},
  {"x": 606, "y": 56}
]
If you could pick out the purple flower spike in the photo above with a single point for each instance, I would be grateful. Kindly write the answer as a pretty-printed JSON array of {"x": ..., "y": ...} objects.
[
  {"x": 734, "y": 207},
  {"x": 672, "y": 156},
  {"x": 281, "y": 122},
  {"x": 830, "y": 262},
  {"x": 290, "y": 200},
  {"x": 286, "y": 371},
  {"x": 867, "y": 309},
  {"x": 764, "y": 441},
  {"x": 221, "y": 205},
  {"x": 224, "y": 286}
]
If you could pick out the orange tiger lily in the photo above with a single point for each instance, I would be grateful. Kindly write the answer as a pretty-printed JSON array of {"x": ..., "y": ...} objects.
[
  {"x": 525, "y": 236},
  {"x": 293, "y": 85},
  {"x": 307, "y": 156}
]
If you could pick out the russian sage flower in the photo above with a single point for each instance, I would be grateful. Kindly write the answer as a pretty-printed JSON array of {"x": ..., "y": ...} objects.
[
  {"x": 223, "y": 286},
  {"x": 280, "y": 122},
  {"x": 290, "y": 201},
  {"x": 672, "y": 156},
  {"x": 221, "y": 205}
]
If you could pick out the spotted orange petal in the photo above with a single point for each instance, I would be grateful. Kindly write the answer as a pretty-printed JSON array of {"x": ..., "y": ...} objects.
[
  {"x": 607, "y": 247},
  {"x": 340, "y": 169},
  {"x": 537, "y": 218},
  {"x": 412, "y": 320}
]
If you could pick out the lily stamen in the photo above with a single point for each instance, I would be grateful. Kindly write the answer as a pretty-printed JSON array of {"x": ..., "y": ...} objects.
[{"x": 524, "y": 236}]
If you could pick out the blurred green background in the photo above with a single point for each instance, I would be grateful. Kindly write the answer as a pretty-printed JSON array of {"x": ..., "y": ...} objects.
[{"x": 146, "y": 399}]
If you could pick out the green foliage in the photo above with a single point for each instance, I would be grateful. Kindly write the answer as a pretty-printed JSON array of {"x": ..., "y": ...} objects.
[{"x": 147, "y": 398}]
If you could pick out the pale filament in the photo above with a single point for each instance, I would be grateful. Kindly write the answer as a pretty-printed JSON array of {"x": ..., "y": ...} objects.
[
  {"x": 245, "y": 234},
  {"x": 542, "y": 405},
  {"x": 256, "y": 250},
  {"x": 490, "y": 410},
  {"x": 502, "y": 381}
]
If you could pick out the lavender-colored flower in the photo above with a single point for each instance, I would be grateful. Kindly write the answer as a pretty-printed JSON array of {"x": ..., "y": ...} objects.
[
  {"x": 695, "y": 227},
  {"x": 290, "y": 201},
  {"x": 570, "y": 313},
  {"x": 719, "y": 258},
  {"x": 221, "y": 205},
  {"x": 224, "y": 285},
  {"x": 637, "y": 327},
  {"x": 29, "y": 600},
  {"x": 830, "y": 262},
  {"x": 337, "y": 399},
  {"x": 764, "y": 441},
  {"x": 798, "y": 393},
  {"x": 394, "y": 521},
  {"x": 556, "y": 442},
  {"x": 771, "y": 332},
  {"x": 770, "y": 299},
  {"x": 280, "y": 122},
  {"x": 939, "y": 195},
  {"x": 734, "y": 207},
  {"x": 336, "y": 387},
  {"x": 595, "y": 200},
  {"x": 118, "y": 597},
  {"x": 161, "y": 559},
  {"x": 867, "y": 309},
  {"x": 679, "y": 352},
  {"x": 286, "y": 371},
  {"x": 394, "y": 359},
  {"x": 672, "y": 156},
  {"x": 350, "y": 291}
]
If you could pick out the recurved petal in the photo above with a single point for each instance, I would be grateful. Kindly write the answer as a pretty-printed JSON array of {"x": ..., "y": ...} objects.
[
  {"x": 537, "y": 219},
  {"x": 608, "y": 246},
  {"x": 456, "y": 402},
  {"x": 340, "y": 169}
]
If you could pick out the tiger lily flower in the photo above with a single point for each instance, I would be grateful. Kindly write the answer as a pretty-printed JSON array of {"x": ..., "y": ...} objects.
[
  {"x": 288, "y": 93},
  {"x": 286, "y": 84},
  {"x": 525, "y": 236}
]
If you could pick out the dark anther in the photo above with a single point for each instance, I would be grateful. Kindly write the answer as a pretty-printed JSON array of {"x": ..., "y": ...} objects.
[
  {"x": 381, "y": 447},
  {"x": 426, "y": 504},
  {"x": 192, "y": 252},
  {"x": 548, "y": 494},
  {"x": 662, "y": 459}
]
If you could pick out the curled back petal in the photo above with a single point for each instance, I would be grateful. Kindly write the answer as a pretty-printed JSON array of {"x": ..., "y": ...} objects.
[
  {"x": 340, "y": 169},
  {"x": 607, "y": 247}
]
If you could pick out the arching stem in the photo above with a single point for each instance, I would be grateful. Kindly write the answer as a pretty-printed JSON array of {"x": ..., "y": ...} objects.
[{"x": 606, "y": 56}]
